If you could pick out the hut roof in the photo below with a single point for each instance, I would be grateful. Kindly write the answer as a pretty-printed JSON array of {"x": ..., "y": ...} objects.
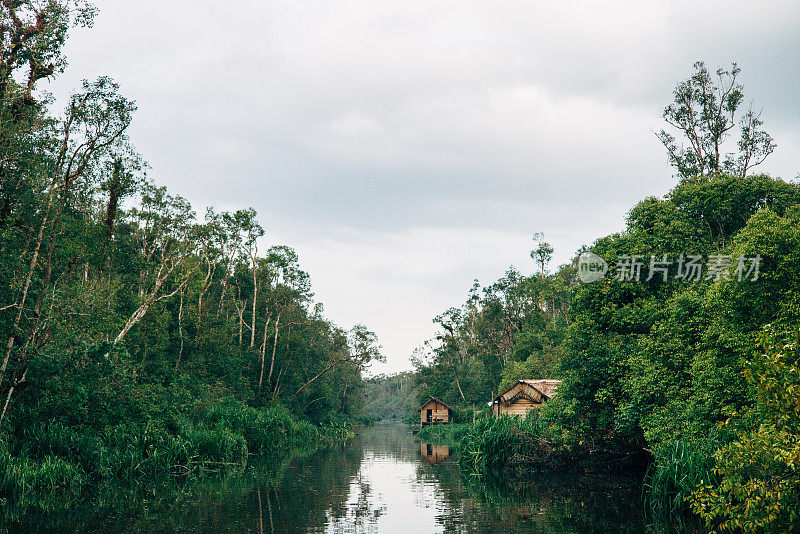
[
  {"x": 548, "y": 388},
  {"x": 545, "y": 388},
  {"x": 435, "y": 400}
]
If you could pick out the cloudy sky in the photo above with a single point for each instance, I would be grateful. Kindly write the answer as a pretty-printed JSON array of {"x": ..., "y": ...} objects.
[{"x": 407, "y": 148}]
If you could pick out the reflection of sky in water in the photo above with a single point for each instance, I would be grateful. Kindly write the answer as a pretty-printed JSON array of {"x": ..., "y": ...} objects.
[{"x": 387, "y": 495}]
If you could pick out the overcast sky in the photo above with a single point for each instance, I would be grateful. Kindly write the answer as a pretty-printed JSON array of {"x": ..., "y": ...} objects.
[{"x": 406, "y": 148}]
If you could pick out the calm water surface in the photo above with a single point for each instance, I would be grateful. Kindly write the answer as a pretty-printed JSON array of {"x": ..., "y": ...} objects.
[{"x": 383, "y": 481}]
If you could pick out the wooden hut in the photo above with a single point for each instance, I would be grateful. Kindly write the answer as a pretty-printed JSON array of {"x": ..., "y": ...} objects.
[
  {"x": 524, "y": 396},
  {"x": 435, "y": 412}
]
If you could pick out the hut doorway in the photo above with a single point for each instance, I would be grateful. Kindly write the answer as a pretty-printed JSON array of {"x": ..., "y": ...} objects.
[{"x": 429, "y": 416}]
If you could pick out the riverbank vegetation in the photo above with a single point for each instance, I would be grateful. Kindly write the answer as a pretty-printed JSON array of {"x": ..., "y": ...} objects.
[
  {"x": 140, "y": 340},
  {"x": 254, "y": 496},
  {"x": 449, "y": 434},
  {"x": 696, "y": 368}
]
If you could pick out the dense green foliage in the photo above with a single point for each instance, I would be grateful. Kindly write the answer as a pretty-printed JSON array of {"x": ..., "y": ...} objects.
[
  {"x": 493, "y": 445},
  {"x": 137, "y": 339},
  {"x": 757, "y": 474},
  {"x": 672, "y": 364}
]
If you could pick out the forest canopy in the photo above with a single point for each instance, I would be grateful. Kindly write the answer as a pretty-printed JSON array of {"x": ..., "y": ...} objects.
[{"x": 139, "y": 337}]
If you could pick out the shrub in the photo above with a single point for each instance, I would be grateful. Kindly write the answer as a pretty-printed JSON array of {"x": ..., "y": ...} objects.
[
  {"x": 19, "y": 475},
  {"x": 219, "y": 445}
]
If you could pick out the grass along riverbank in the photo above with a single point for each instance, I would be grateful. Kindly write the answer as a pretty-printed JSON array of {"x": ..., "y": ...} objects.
[
  {"x": 506, "y": 451},
  {"x": 450, "y": 434},
  {"x": 167, "y": 504},
  {"x": 201, "y": 441}
]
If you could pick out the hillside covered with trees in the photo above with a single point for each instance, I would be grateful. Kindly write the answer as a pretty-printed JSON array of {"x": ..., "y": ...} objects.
[{"x": 138, "y": 337}]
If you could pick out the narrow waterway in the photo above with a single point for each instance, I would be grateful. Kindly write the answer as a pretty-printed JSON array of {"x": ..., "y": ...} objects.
[{"x": 382, "y": 481}]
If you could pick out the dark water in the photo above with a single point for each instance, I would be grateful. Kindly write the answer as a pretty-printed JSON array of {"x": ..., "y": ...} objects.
[{"x": 383, "y": 481}]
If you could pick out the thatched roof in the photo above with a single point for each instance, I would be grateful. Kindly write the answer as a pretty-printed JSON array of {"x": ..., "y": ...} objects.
[
  {"x": 534, "y": 390},
  {"x": 547, "y": 387},
  {"x": 435, "y": 400}
]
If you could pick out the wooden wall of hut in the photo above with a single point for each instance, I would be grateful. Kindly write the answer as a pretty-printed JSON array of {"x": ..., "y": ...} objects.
[
  {"x": 434, "y": 412},
  {"x": 519, "y": 406}
]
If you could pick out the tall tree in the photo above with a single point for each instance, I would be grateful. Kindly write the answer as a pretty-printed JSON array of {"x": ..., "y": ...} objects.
[
  {"x": 542, "y": 252},
  {"x": 93, "y": 127},
  {"x": 704, "y": 112}
]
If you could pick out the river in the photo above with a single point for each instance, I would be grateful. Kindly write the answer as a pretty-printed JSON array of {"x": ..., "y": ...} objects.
[{"x": 382, "y": 481}]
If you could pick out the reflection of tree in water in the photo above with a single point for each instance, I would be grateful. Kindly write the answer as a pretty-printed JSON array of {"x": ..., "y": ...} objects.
[
  {"x": 390, "y": 440},
  {"x": 315, "y": 489},
  {"x": 540, "y": 503},
  {"x": 572, "y": 503},
  {"x": 283, "y": 494},
  {"x": 360, "y": 513}
]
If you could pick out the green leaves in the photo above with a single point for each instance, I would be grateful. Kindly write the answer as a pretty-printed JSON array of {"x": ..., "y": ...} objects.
[{"x": 759, "y": 472}]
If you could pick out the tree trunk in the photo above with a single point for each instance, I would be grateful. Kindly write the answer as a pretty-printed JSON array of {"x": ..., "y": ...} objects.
[
  {"x": 240, "y": 313},
  {"x": 255, "y": 300},
  {"x": 277, "y": 389},
  {"x": 240, "y": 306},
  {"x": 263, "y": 353},
  {"x": 26, "y": 287},
  {"x": 142, "y": 310},
  {"x": 260, "y": 514},
  {"x": 200, "y": 307},
  {"x": 269, "y": 509},
  {"x": 180, "y": 331},
  {"x": 274, "y": 346},
  {"x": 11, "y": 392},
  {"x": 207, "y": 283},
  {"x": 330, "y": 366},
  {"x": 224, "y": 290},
  {"x": 459, "y": 389},
  {"x": 114, "y": 194}
]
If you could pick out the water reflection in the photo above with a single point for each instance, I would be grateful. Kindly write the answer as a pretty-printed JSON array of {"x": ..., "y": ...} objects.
[
  {"x": 434, "y": 453},
  {"x": 402, "y": 486},
  {"x": 383, "y": 481}
]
